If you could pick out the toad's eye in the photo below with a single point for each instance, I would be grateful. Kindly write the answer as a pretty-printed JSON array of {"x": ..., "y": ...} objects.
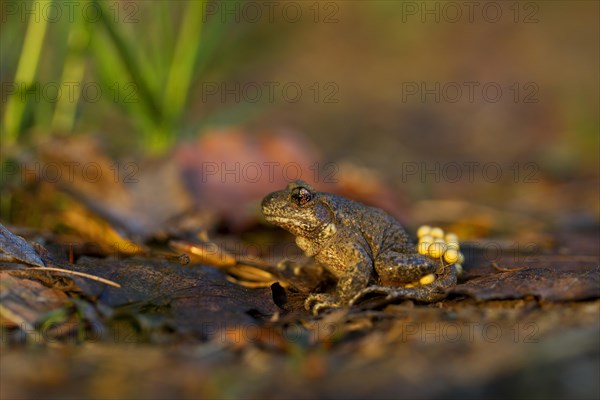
[{"x": 301, "y": 196}]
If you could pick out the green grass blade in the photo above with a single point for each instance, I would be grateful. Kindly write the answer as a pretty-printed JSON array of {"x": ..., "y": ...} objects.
[
  {"x": 26, "y": 71},
  {"x": 184, "y": 60},
  {"x": 73, "y": 72},
  {"x": 125, "y": 51}
]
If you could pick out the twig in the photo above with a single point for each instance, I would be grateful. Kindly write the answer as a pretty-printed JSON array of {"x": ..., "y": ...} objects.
[{"x": 502, "y": 269}]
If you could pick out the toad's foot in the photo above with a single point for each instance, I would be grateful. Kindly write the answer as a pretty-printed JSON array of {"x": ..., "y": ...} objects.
[
  {"x": 315, "y": 303},
  {"x": 429, "y": 293}
]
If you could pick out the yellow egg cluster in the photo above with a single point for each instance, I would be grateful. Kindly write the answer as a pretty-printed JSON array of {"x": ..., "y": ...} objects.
[{"x": 435, "y": 244}]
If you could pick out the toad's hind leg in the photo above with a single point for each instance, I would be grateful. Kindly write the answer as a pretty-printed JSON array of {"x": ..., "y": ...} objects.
[
  {"x": 393, "y": 267},
  {"x": 426, "y": 293}
]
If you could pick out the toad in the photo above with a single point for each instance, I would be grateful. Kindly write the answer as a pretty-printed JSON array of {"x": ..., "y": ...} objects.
[{"x": 364, "y": 248}]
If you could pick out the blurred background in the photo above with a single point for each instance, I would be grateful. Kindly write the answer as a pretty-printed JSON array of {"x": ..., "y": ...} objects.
[
  {"x": 125, "y": 124},
  {"x": 492, "y": 103}
]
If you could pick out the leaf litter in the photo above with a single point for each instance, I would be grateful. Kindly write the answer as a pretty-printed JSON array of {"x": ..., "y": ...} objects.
[{"x": 230, "y": 319}]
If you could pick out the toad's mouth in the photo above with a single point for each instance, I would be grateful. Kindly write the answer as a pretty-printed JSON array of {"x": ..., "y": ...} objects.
[
  {"x": 279, "y": 220},
  {"x": 276, "y": 218},
  {"x": 288, "y": 222}
]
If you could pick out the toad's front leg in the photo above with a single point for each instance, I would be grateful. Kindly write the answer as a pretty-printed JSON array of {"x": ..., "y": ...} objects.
[{"x": 355, "y": 278}]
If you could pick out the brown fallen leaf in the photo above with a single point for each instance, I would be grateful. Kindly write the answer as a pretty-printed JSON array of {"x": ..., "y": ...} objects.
[
  {"x": 242, "y": 272},
  {"x": 17, "y": 248},
  {"x": 25, "y": 301},
  {"x": 195, "y": 299},
  {"x": 99, "y": 231},
  {"x": 544, "y": 283}
]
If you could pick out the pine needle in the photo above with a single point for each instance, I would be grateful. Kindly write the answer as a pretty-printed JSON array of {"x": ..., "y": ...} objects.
[{"x": 82, "y": 274}]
